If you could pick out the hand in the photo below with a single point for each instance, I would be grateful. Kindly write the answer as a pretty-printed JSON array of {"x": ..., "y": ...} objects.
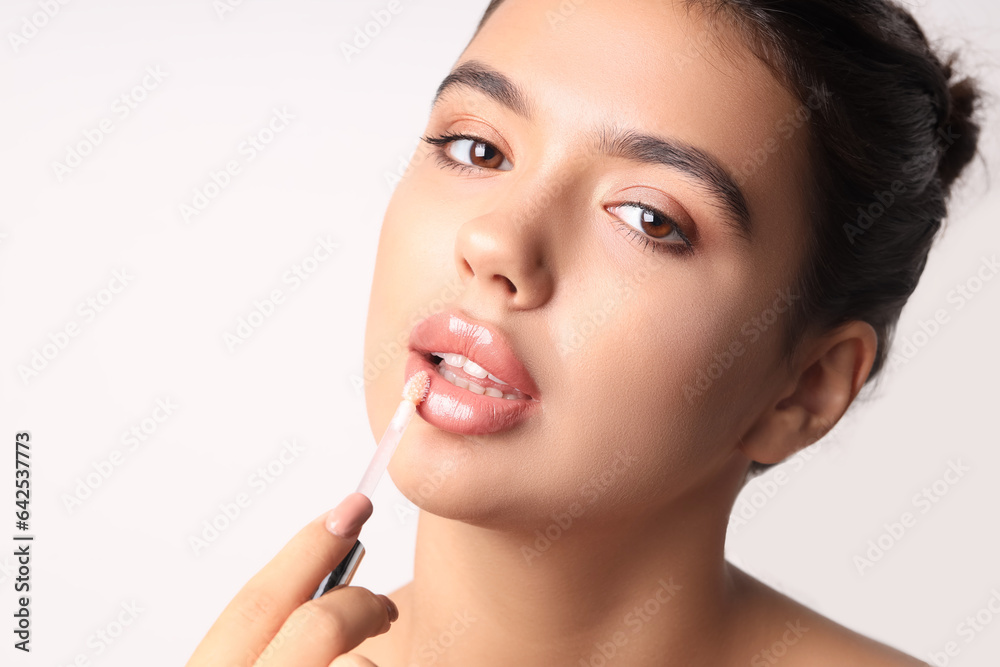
[{"x": 272, "y": 622}]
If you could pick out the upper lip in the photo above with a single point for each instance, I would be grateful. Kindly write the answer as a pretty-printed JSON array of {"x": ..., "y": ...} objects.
[{"x": 449, "y": 332}]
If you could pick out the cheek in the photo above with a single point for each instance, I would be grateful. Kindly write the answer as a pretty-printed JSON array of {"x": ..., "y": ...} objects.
[
  {"x": 647, "y": 373},
  {"x": 414, "y": 267},
  {"x": 414, "y": 277}
]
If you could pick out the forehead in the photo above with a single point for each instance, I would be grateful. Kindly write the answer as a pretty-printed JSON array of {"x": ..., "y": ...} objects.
[{"x": 656, "y": 66}]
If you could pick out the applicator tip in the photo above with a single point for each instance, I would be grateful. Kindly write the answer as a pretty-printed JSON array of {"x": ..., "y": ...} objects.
[{"x": 417, "y": 387}]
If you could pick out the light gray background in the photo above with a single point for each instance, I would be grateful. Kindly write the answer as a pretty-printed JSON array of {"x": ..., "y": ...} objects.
[{"x": 161, "y": 337}]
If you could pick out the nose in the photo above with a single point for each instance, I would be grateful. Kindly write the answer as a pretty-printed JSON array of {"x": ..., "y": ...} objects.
[{"x": 501, "y": 257}]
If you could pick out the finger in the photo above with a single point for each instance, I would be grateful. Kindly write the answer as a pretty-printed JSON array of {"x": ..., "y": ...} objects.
[
  {"x": 352, "y": 660},
  {"x": 324, "y": 628},
  {"x": 258, "y": 611}
]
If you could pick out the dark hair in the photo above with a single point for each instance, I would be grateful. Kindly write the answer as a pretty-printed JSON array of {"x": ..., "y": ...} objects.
[{"x": 889, "y": 133}]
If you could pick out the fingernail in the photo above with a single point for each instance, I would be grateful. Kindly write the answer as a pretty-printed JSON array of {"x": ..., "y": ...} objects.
[
  {"x": 345, "y": 520},
  {"x": 391, "y": 607}
]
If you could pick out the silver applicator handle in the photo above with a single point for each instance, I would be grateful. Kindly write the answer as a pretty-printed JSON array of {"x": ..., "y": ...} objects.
[{"x": 344, "y": 572}]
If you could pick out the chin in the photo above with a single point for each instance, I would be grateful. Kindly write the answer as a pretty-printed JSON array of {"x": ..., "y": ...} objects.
[
  {"x": 442, "y": 480},
  {"x": 433, "y": 472}
]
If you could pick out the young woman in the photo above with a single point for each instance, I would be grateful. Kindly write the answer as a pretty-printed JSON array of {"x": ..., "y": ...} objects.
[{"x": 681, "y": 233}]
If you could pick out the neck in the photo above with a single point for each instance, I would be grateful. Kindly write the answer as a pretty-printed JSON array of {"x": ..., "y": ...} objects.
[{"x": 653, "y": 585}]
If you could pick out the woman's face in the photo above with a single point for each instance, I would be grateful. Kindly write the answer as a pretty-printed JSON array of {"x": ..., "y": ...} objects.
[{"x": 592, "y": 222}]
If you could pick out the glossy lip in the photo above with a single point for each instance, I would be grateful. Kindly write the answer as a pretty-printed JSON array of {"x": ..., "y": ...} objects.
[{"x": 459, "y": 410}]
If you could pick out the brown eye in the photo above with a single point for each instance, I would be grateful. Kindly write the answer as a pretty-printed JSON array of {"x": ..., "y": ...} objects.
[
  {"x": 478, "y": 154},
  {"x": 650, "y": 228},
  {"x": 649, "y": 222},
  {"x": 658, "y": 229}
]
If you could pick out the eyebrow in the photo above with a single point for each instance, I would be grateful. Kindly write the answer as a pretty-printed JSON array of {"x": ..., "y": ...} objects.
[{"x": 617, "y": 141}]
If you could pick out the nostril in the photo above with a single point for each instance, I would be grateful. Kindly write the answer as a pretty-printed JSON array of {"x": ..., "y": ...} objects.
[{"x": 510, "y": 285}]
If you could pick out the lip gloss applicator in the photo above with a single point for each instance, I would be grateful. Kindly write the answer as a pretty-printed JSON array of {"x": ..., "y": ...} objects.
[{"x": 414, "y": 392}]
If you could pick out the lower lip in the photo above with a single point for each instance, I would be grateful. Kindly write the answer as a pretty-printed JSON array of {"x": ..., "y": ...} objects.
[{"x": 458, "y": 410}]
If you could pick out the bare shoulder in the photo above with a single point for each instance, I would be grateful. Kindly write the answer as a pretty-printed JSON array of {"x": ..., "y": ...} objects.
[
  {"x": 781, "y": 630},
  {"x": 771, "y": 629}
]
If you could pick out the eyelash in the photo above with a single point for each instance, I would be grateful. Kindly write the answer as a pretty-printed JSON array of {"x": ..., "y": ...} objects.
[
  {"x": 439, "y": 142},
  {"x": 443, "y": 159},
  {"x": 647, "y": 240}
]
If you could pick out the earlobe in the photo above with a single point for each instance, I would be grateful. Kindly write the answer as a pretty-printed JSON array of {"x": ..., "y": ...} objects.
[{"x": 816, "y": 396}]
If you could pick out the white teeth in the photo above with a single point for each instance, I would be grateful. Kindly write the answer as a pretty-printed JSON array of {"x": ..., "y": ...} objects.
[
  {"x": 472, "y": 386},
  {"x": 470, "y": 367},
  {"x": 454, "y": 379},
  {"x": 474, "y": 369},
  {"x": 455, "y": 360}
]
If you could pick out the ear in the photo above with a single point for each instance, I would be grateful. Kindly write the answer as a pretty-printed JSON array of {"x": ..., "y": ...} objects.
[{"x": 823, "y": 384}]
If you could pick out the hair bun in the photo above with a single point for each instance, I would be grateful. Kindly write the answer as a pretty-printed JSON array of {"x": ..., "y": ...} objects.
[{"x": 960, "y": 132}]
